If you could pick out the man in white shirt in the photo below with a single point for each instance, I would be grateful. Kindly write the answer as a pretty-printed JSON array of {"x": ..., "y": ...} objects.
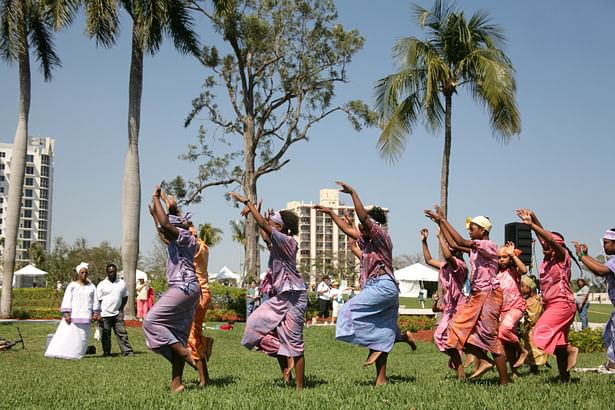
[
  {"x": 113, "y": 295},
  {"x": 324, "y": 298}
]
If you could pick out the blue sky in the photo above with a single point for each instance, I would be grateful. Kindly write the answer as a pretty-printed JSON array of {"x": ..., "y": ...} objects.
[{"x": 560, "y": 165}]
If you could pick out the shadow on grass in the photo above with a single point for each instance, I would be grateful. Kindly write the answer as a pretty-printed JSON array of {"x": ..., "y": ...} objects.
[
  {"x": 222, "y": 381},
  {"x": 310, "y": 382},
  {"x": 393, "y": 379}
]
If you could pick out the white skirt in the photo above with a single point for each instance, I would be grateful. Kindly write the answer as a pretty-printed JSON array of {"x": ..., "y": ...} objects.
[{"x": 69, "y": 341}]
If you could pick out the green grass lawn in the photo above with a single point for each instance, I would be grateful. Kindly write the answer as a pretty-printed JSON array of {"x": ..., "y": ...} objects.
[
  {"x": 241, "y": 379},
  {"x": 599, "y": 313}
]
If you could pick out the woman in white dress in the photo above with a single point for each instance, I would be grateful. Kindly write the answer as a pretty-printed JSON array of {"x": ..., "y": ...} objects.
[{"x": 79, "y": 308}]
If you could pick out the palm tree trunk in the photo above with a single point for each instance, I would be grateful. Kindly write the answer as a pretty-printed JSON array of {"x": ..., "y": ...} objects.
[
  {"x": 131, "y": 196},
  {"x": 17, "y": 169},
  {"x": 446, "y": 156}
]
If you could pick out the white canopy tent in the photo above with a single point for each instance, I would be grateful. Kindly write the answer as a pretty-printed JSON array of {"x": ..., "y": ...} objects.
[
  {"x": 225, "y": 274},
  {"x": 26, "y": 276},
  {"x": 411, "y": 279}
]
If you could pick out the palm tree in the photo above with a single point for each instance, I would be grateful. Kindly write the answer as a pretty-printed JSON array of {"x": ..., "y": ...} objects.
[
  {"x": 151, "y": 20},
  {"x": 210, "y": 234},
  {"x": 456, "y": 53},
  {"x": 25, "y": 25}
]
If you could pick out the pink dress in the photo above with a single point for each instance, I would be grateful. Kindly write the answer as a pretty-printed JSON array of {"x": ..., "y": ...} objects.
[
  {"x": 513, "y": 305},
  {"x": 551, "y": 330},
  {"x": 452, "y": 281},
  {"x": 476, "y": 322}
]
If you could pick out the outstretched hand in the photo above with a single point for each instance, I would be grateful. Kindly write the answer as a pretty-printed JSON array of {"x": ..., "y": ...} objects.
[
  {"x": 580, "y": 248},
  {"x": 432, "y": 215},
  {"x": 347, "y": 218},
  {"x": 345, "y": 188},
  {"x": 237, "y": 197},
  {"x": 323, "y": 209},
  {"x": 510, "y": 248},
  {"x": 424, "y": 234},
  {"x": 525, "y": 215}
]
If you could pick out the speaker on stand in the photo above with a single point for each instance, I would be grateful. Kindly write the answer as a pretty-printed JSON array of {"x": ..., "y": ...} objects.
[{"x": 521, "y": 235}]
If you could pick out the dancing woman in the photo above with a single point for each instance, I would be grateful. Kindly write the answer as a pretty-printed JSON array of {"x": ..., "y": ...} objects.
[
  {"x": 370, "y": 318},
  {"x": 168, "y": 323},
  {"x": 276, "y": 327}
]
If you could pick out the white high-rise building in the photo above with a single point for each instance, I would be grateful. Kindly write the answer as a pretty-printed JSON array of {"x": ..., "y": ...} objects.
[
  {"x": 35, "y": 220},
  {"x": 323, "y": 247}
]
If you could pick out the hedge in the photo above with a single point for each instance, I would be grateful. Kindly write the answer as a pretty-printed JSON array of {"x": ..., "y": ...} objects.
[{"x": 588, "y": 340}]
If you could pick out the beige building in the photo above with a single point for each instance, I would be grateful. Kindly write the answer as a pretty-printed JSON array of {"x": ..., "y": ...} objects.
[
  {"x": 323, "y": 247},
  {"x": 35, "y": 221}
]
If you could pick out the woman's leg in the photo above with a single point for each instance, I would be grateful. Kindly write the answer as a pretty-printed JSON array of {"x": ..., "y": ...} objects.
[
  {"x": 381, "y": 369},
  {"x": 201, "y": 367},
  {"x": 177, "y": 371},
  {"x": 300, "y": 371}
]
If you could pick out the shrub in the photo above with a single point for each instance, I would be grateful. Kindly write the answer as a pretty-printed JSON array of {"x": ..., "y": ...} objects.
[
  {"x": 588, "y": 340},
  {"x": 218, "y": 315},
  {"x": 416, "y": 323}
]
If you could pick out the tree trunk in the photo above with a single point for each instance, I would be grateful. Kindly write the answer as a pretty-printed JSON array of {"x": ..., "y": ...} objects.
[
  {"x": 131, "y": 196},
  {"x": 252, "y": 259},
  {"x": 16, "y": 178},
  {"x": 446, "y": 156}
]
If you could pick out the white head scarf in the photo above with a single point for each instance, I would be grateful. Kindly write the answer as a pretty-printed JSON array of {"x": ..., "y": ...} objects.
[{"x": 81, "y": 266}]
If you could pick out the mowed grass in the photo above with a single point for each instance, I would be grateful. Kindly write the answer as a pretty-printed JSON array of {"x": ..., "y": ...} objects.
[{"x": 241, "y": 379}]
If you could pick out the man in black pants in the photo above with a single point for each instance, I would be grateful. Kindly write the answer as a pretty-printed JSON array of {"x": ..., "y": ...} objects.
[
  {"x": 113, "y": 295},
  {"x": 324, "y": 298}
]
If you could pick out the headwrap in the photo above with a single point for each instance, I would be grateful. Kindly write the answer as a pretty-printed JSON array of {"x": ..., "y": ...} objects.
[
  {"x": 277, "y": 218},
  {"x": 481, "y": 221},
  {"x": 81, "y": 266},
  {"x": 527, "y": 281},
  {"x": 517, "y": 252},
  {"x": 180, "y": 220},
  {"x": 610, "y": 235}
]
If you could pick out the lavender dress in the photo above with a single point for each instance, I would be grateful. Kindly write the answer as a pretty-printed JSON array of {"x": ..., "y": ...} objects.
[
  {"x": 370, "y": 318},
  {"x": 276, "y": 327},
  {"x": 609, "y": 330},
  {"x": 170, "y": 319}
]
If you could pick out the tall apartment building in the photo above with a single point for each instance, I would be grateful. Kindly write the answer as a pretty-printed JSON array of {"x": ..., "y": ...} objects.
[
  {"x": 323, "y": 247},
  {"x": 35, "y": 220}
]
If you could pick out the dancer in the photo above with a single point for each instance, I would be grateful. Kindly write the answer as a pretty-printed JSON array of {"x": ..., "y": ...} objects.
[
  {"x": 79, "y": 308},
  {"x": 605, "y": 270},
  {"x": 551, "y": 331},
  {"x": 370, "y": 318},
  {"x": 533, "y": 311},
  {"x": 474, "y": 328},
  {"x": 276, "y": 327},
  {"x": 513, "y": 306},
  {"x": 200, "y": 346},
  {"x": 167, "y": 324},
  {"x": 453, "y": 274}
]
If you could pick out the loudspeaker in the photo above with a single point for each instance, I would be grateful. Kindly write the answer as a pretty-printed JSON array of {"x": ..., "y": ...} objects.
[{"x": 521, "y": 235}]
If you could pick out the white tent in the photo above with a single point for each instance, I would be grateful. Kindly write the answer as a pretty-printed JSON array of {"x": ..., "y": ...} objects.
[
  {"x": 225, "y": 274},
  {"x": 411, "y": 279},
  {"x": 25, "y": 277}
]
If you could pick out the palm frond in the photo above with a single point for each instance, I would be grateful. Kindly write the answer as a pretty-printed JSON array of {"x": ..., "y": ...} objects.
[
  {"x": 62, "y": 12},
  {"x": 395, "y": 131},
  {"x": 180, "y": 27},
  {"x": 483, "y": 30},
  {"x": 13, "y": 33},
  {"x": 102, "y": 21},
  {"x": 40, "y": 27}
]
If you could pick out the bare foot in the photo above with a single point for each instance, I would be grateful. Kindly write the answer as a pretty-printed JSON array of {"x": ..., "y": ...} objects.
[
  {"x": 521, "y": 360},
  {"x": 461, "y": 373},
  {"x": 573, "y": 352},
  {"x": 411, "y": 341},
  {"x": 565, "y": 376},
  {"x": 371, "y": 359},
  {"x": 178, "y": 389},
  {"x": 289, "y": 367},
  {"x": 483, "y": 368}
]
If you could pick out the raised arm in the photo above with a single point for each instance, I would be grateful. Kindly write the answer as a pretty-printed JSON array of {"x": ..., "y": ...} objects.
[
  {"x": 165, "y": 227},
  {"x": 529, "y": 218},
  {"x": 358, "y": 205},
  {"x": 260, "y": 220},
  {"x": 354, "y": 247},
  {"x": 343, "y": 225},
  {"x": 510, "y": 251},
  {"x": 452, "y": 237},
  {"x": 426, "y": 253},
  {"x": 446, "y": 252},
  {"x": 594, "y": 265}
]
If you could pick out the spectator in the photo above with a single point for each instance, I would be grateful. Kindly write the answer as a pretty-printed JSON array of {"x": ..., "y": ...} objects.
[
  {"x": 582, "y": 300},
  {"x": 324, "y": 298},
  {"x": 338, "y": 300},
  {"x": 142, "y": 296}
]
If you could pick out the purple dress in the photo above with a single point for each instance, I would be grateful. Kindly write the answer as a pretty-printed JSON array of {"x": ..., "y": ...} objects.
[
  {"x": 370, "y": 318},
  {"x": 170, "y": 319},
  {"x": 276, "y": 327},
  {"x": 609, "y": 330}
]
